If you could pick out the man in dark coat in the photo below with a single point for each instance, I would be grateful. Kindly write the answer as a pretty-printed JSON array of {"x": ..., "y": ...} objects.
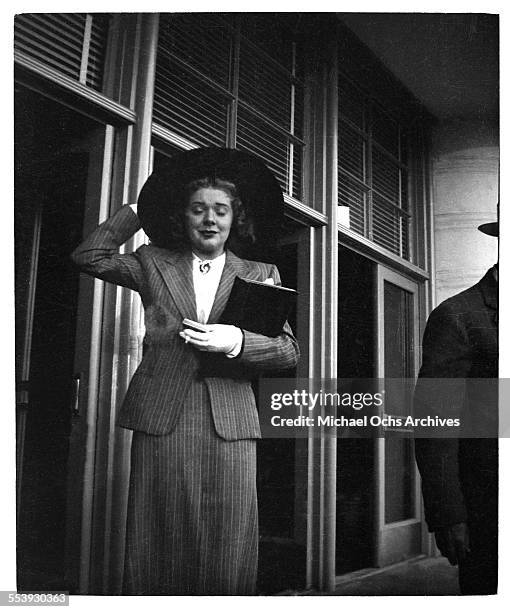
[{"x": 460, "y": 475}]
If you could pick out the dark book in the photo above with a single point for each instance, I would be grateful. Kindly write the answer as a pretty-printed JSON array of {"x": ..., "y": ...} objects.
[{"x": 258, "y": 307}]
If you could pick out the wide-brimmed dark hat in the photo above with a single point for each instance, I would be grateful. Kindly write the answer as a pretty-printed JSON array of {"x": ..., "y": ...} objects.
[{"x": 164, "y": 193}]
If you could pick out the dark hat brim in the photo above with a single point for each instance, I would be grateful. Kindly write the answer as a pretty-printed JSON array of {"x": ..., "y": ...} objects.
[
  {"x": 164, "y": 192},
  {"x": 491, "y": 229}
]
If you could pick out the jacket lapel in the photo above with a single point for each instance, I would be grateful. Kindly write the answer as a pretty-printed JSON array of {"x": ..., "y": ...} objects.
[
  {"x": 489, "y": 288},
  {"x": 234, "y": 266},
  {"x": 177, "y": 273}
]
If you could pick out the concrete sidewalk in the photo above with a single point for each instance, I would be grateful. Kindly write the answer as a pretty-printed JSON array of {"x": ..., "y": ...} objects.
[{"x": 429, "y": 576}]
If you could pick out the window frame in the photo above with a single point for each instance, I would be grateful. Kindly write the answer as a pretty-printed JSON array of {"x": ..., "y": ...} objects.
[
  {"x": 236, "y": 102},
  {"x": 367, "y": 183}
]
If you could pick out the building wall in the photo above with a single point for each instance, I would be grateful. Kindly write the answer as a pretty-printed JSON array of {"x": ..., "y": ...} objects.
[{"x": 464, "y": 162}]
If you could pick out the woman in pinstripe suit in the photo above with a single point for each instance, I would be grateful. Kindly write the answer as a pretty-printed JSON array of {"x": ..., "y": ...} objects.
[{"x": 192, "y": 513}]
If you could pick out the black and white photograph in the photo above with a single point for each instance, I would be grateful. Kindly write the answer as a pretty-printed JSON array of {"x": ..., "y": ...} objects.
[{"x": 216, "y": 207}]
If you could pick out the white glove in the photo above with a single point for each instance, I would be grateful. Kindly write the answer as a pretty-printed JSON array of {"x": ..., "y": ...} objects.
[{"x": 218, "y": 338}]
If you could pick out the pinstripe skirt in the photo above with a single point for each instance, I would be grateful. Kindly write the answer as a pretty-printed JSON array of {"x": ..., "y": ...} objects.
[{"x": 192, "y": 525}]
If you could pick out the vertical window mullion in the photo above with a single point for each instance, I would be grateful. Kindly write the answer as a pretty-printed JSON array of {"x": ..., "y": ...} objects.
[
  {"x": 235, "y": 58},
  {"x": 369, "y": 177},
  {"x": 290, "y": 183},
  {"x": 291, "y": 169},
  {"x": 399, "y": 172},
  {"x": 401, "y": 218},
  {"x": 87, "y": 35},
  {"x": 365, "y": 180}
]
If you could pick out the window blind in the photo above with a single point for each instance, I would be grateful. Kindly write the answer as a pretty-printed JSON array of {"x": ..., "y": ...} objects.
[
  {"x": 228, "y": 79},
  {"x": 352, "y": 193},
  {"x": 72, "y": 43},
  {"x": 270, "y": 73},
  {"x": 202, "y": 41},
  {"x": 193, "y": 71},
  {"x": 189, "y": 107},
  {"x": 266, "y": 87},
  {"x": 372, "y": 172},
  {"x": 256, "y": 136},
  {"x": 97, "y": 52}
]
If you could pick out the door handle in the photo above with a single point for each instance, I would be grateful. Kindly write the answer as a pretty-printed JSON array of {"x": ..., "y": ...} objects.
[{"x": 75, "y": 396}]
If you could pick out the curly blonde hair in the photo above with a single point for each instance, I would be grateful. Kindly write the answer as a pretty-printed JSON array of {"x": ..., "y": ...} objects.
[{"x": 242, "y": 233}]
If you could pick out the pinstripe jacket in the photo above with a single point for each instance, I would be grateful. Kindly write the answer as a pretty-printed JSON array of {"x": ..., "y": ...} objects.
[{"x": 164, "y": 281}]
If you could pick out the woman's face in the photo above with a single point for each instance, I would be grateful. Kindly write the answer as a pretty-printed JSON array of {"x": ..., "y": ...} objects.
[{"x": 208, "y": 218}]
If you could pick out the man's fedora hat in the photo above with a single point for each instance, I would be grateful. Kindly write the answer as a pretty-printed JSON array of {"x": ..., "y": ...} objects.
[
  {"x": 164, "y": 192},
  {"x": 491, "y": 229}
]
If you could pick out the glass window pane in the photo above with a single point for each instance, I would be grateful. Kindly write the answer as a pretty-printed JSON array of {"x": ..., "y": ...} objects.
[
  {"x": 398, "y": 332},
  {"x": 385, "y": 176},
  {"x": 257, "y": 136},
  {"x": 299, "y": 117},
  {"x": 398, "y": 363},
  {"x": 187, "y": 106},
  {"x": 265, "y": 87},
  {"x": 201, "y": 40},
  {"x": 97, "y": 54},
  {"x": 273, "y": 33},
  {"x": 269, "y": 70},
  {"x": 385, "y": 131},
  {"x": 399, "y": 480},
  {"x": 351, "y": 103},
  {"x": 390, "y": 228},
  {"x": 297, "y": 173},
  {"x": 57, "y": 40},
  {"x": 351, "y": 151},
  {"x": 353, "y": 195}
]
